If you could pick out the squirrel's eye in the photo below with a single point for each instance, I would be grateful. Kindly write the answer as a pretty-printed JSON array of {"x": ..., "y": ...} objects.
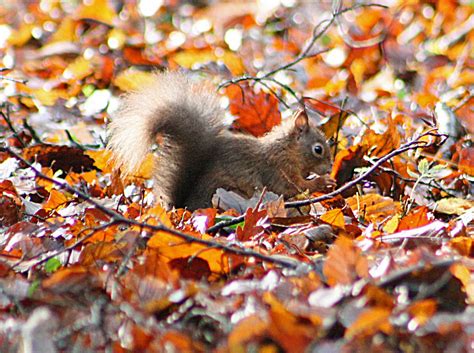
[{"x": 318, "y": 149}]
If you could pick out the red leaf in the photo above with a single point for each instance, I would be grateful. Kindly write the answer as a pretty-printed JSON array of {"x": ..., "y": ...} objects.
[{"x": 257, "y": 112}]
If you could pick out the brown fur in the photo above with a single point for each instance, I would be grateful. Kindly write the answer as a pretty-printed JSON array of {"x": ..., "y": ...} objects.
[{"x": 197, "y": 154}]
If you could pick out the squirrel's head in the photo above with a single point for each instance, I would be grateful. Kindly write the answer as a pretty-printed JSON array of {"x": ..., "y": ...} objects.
[{"x": 312, "y": 145}]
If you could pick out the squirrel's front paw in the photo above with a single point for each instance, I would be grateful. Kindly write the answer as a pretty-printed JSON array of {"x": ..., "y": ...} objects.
[{"x": 322, "y": 183}]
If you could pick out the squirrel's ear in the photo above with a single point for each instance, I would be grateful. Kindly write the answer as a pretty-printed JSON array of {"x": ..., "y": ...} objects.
[{"x": 301, "y": 123}]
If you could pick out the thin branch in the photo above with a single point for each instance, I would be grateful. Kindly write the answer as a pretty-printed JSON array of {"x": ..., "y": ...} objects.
[
  {"x": 17, "y": 80},
  {"x": 305, "y": 53},
  {"x": 117, "y": 218},
  {"x": 6, "y": 117}
]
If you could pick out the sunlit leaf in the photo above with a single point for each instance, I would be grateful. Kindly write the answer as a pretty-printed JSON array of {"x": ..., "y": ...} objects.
[
  {"x": 369, "y": 322},
  {"x": 257, "y": 112}
]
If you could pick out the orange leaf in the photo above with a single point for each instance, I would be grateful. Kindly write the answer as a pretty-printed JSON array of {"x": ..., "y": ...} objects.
[
  {"x": 344, "y": 263},
  {"x": 67, "y": 279},
  {"x": 370, "y": 322},
  {"x": 463, "y": 245},
  {"x": 418, "y": 217},
  {"x": 286, "y": 328},
  {"x": 373, "y": 207},
  {"x": 157, "y": 266},
  {"x": 422, "y": 311},
  {"x": 248, "y": 329},
  {"x": 103, "y": 251},
  {"x": 55, "y": 200},
  {"x": 334, "y": 217},
  {"x": 466, "y": 160},
  {"x": 257, "y": 113}
]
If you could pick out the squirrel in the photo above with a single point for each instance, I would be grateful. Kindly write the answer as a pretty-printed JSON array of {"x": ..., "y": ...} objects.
[{"x": 198, "y": 154}]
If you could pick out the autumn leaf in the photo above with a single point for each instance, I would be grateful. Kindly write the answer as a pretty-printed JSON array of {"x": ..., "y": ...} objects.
[
  {"x": 345, "y": 263},
  {"x": 334, "y": 217},
  {"x": 99, "y": 10},
  {"x": 369, "y": 322},
  {"x": 257, "y": 112},
  {"x": 385, "y": 265}
]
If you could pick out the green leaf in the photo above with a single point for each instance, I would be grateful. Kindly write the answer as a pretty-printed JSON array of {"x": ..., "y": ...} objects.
[
  {"x": 325, "y": 39},
  {"x": 227, "y": 218},
  {"x": 423, "y": 166},
  {"x": 33, "y": 287},
  {"x": 52, "y": 265}
]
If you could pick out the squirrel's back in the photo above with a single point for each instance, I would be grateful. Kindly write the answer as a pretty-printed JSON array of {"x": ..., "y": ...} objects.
[{"x": 183, "y": 115}]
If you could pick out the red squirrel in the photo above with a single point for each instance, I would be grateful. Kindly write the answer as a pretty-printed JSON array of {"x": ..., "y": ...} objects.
[{"x": 197, "y": 153}]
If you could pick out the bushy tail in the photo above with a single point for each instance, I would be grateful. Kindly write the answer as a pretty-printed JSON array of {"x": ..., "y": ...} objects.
[{"x": 185, "y": 112}]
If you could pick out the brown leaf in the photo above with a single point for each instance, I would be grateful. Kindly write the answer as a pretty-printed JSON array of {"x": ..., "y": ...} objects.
[
  {"x": 11, "y": 206},
  {"x": 63, "y": 158},
  {"x": 193, "y": 268}
]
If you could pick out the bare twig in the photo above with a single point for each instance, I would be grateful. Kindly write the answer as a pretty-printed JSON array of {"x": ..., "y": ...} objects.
[
  {"x": 318, "y": 31},
  {"x": 17, "y": 80},
  {"x": 117, "y": 218},
  {"x": 6, "y": 117}
]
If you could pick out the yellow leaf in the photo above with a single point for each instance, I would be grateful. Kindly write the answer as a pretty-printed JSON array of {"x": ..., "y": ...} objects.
[
  {"x": 454, "y": 205},
  {"x": 78, "y": 69},
  {"x": 21, "y": 36},
  {"x": 131, "y": 79},
  {"x": 101, "y": 159},
  {"x": 334, "y": 217},
  {"x": 116, "y": 38},
  {"x": 99, "y": 10},
  {"x": 66, "y": 32},
  {"x": 189, "y": 58},
  {"x": 391, "y": 226}
]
